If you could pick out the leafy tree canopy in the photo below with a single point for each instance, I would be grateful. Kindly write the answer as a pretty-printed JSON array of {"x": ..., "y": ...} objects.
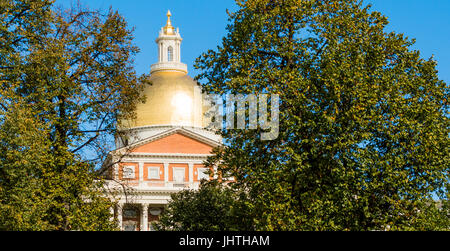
[
  {"x": 66, "y": 77},
  {"x": 363, "y": 141},
  {"x": 212, "y": 208}
]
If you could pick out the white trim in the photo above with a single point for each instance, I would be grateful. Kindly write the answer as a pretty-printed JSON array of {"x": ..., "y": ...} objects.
[
  {"x": 169, "y": 67},
  {"x": 186, "y": 157},
  {"x": 144, "y": 218},
  {"x": 166, "y": 172},
  {"x": 191, "y": 172},
  {"x": 141, "y": 171},
  {"x": 120, "y": 215}
]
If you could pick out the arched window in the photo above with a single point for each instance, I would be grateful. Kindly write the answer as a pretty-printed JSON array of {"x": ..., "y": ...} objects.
[{"x": 170, "y": 54}]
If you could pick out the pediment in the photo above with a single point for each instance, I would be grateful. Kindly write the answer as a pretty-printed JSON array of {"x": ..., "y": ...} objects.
[{"x": 178, "y": 141}]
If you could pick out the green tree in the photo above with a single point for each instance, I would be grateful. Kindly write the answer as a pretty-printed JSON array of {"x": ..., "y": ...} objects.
[
  {"x": 433, "y": 215},
  {"x": 66, "y": 79},
  {"x": 363, "y": 124},
  {"x": 212, "y": 208}
]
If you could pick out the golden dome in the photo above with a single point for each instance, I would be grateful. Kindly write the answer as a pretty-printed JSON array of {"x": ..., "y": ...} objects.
[{"x": 173, "y": 99}]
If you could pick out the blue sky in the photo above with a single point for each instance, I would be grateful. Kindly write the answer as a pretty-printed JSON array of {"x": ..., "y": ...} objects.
[{"x": 202, "y": 25}]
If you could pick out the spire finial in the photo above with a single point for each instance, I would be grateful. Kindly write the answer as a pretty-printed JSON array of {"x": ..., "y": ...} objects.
[
  {"x": 169, "y": 23},
  {"x": 169, "y": 30}
]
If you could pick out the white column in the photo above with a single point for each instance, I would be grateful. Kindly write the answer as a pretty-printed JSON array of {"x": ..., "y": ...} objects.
[
  {"x": 111, "y": 211},
  {"x": 144, "y": 217},
  {"x": 141, "y": 172},
  {"x": 177, "y": 46},
  {"x": 166, "y": 172},
  {"x": 120, "y": 216},
  {"x": 159, "y": 52},
  {"x": 191, "y": 172},
  {"x": 164, "y": 52},
  {"x": 179, "y": 52}
]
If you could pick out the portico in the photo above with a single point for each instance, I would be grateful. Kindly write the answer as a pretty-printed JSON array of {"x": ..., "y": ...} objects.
[
  {"x": 143, "y": 180},
  {"x": 138, "y": 217}
]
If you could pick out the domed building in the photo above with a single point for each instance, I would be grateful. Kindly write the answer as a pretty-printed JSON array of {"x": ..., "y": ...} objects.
[{"x": 162, "y": 150}]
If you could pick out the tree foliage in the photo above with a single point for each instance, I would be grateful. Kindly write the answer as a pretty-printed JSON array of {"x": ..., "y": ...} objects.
[
  {"x": 363, "y": 124},
  {"x": 66, "y": 78},
  {"x": 212, "y": 208}
]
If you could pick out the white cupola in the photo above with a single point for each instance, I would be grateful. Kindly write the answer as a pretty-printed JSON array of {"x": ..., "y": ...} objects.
[{"x": 169, "y": 50}]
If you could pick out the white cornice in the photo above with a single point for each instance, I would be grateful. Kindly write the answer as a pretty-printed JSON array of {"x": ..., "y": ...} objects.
[
  {"x": 144, "y": 128},
  {"x": 170, "y": 155},
  {"x": 169, "y": 67},
  {"x": 131, "y": 191},
  {"x": 169, "y": 37}
]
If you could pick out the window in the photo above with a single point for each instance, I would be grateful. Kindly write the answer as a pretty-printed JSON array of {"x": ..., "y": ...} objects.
[
  {"x": 130, "y": 226},
  {"x": 131, "y": 218},
  {"x": 153, "y": 173},
  {"x": 130, "y": 213},
  {"x": 203, "y": 173},
  {"x": 129, "y": 172},
  {"x": 170, "y": 54},
  {"x": 178, "y": 174}
]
